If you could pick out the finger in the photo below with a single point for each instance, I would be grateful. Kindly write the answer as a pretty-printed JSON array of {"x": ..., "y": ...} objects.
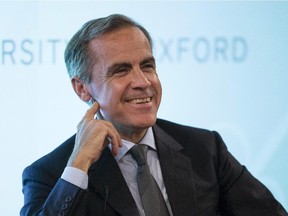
[
  {"x": 91, "y": 112},
  {"x": 118, "y": 137},
  {"x": 115, "y": 144},
  {"x": 114, "y": 139}
]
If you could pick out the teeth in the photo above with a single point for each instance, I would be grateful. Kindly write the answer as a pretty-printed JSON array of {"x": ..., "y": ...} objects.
[{"x": 140, "y": 100}]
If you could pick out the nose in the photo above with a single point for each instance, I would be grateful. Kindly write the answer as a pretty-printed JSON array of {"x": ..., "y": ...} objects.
[{"x": 140, "y": 79}]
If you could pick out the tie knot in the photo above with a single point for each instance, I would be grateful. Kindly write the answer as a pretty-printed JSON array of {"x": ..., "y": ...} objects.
[{"x": 139, "y": 153}]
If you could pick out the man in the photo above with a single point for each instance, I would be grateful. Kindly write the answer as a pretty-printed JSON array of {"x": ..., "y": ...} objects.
[{"x": 112, "y": 68}]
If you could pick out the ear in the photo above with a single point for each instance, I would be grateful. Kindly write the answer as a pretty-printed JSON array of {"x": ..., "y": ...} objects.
[{"x": 81, "y": 89}]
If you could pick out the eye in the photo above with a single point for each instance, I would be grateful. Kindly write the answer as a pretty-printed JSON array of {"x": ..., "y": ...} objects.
[
  {"x": 119, "y": 69},
  {"x": 148, "y": 67}
]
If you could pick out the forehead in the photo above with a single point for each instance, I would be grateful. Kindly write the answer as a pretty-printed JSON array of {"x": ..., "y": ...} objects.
[{"x": 121, "y": 43}]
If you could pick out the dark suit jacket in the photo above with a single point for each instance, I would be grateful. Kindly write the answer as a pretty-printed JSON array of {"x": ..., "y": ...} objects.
[{"x": 201, "y": 177}]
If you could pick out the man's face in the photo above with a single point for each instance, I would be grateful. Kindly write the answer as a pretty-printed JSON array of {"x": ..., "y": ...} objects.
[{"x": 124, "y": 80}]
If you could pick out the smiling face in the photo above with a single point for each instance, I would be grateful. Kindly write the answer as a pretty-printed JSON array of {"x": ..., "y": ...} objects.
[{"x": 124, "y": 81}]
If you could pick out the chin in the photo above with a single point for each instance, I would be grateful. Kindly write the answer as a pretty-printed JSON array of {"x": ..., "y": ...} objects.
[{"x": 145, "y": 122}]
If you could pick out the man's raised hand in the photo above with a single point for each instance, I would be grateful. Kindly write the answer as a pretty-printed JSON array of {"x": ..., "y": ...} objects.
[{"x": 93, "y": 135}]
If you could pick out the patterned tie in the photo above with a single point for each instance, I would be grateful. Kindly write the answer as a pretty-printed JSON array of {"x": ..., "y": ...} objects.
[{"x": 151, "y": 196}]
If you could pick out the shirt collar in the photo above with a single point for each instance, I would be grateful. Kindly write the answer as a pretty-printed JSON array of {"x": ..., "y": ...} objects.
[{"x": 148, "y": 139}]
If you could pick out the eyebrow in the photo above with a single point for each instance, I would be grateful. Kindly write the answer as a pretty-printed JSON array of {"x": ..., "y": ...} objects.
[
  {"x": 148, "y": 60},
  {"x": 111, "y": 69}
]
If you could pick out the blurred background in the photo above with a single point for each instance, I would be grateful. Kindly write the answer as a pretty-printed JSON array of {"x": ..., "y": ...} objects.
[{"x": 223, "y": 66}]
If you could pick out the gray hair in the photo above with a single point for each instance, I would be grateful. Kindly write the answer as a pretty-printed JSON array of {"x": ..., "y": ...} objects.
[{"x": 77, "y": 53}]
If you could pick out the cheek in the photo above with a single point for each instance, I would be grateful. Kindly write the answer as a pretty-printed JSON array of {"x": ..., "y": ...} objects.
[
  {"x": 98, "y": 92},
  {"x": 104, "y": 105},
  {"x": 158, "y": 89},
  {"x": 157, "y": 86},
  {"x": 106, "y": 97}
]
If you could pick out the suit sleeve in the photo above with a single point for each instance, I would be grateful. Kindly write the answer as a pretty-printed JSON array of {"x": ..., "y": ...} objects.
[
  {"x": 46, "y": 195},
  {"x": 240, "y": 192}
]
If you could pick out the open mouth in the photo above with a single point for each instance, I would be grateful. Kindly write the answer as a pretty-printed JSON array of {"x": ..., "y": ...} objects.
[{"x": 140, "y": 100}]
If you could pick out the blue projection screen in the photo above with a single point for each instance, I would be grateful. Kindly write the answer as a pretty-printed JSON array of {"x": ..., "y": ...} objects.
[{"x": 223, "y": 66}]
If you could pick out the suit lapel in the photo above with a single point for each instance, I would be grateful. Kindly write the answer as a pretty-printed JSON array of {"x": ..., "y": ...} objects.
[
  {"x": 177, "y": 173},
  {"x": 176, "y": 170},
  {"x": 106, "y": 179}
]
